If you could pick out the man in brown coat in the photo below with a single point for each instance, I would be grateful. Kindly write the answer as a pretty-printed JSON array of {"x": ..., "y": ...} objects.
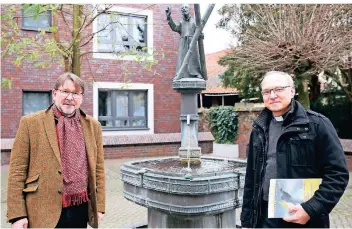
[{"x": 56, "y": 176}]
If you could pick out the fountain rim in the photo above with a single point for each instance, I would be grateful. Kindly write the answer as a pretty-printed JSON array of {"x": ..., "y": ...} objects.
[{"x": 130, "y": 165}]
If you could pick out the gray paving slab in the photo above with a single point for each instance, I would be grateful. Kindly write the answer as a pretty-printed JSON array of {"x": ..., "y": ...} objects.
[{"x": 123, "y": 213}]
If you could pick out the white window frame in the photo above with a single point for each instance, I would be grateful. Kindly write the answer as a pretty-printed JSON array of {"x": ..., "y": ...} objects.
[
  {"x": 126, "y": 86},
  {"x": 150, "y": 33}
]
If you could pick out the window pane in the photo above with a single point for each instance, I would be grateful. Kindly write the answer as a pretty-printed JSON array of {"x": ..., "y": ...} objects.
[
  {"x": 104, "y": 103},
  {"x": 35, "y": 101},
  {"x": 105, "y": 123},
  {"x": 126, "y": 32},
  {"x": 104, "y": 24},
  {"x": 139, "y": 32},
  {"x": 122, "y": 109},
  {"x": 121, "y": 123},
  {"x": 41, "y": 22},
  {"x": 140, "y": 123},
  {"x": 123, "y": 39},
  {"x": 138, "y": 104},
  {"x": 122, "y": 104}
]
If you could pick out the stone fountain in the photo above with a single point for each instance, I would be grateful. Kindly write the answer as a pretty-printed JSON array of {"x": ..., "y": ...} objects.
[
  {"x": 188, "y": 191},
  {"x": 209, "y": 200}
]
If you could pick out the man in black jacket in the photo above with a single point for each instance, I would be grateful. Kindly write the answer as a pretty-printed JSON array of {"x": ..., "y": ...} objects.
[{"x": 288, "y": 141}]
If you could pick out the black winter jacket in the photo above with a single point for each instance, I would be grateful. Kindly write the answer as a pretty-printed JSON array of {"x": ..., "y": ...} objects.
[{"x": 307, "y": 148}]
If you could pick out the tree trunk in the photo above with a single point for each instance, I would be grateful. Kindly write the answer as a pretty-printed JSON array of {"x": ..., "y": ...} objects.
[
  {"x": 58, "y": 42},
  {"x": 349, "y": 80},
  {"x": 76, "y": 55},
  {"x": 303, "y": 94},
  {"x": 314, "y": 86}
]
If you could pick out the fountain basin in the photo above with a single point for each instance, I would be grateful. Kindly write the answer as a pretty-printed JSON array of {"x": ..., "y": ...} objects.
[{"x": 208, "y": 200}]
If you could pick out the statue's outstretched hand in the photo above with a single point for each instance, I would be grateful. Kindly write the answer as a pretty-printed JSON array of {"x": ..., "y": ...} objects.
[{"x": 168, "y": 13}]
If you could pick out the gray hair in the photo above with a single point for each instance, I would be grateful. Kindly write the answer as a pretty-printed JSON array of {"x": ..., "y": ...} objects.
[
  {"x": 77, "y": 81},
  {"x": 280, "y": 74}
]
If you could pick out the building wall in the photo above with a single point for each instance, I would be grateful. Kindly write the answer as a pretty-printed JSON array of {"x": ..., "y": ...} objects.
[{"x": 166, "y": 100}]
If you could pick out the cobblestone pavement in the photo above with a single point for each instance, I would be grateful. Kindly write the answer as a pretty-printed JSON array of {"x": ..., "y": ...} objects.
[{"x": 123, "y": 213}]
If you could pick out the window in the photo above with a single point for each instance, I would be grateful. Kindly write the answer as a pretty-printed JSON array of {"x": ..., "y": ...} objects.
[
  {"x": 121, "y": 109},
  {"x": 123, "y": 29},
  {"x": 124, "y": 109},
  {"x": 35, "y": 101},
  {"x": 121, "y": 32},
  {"x": 43, "y": 21}
]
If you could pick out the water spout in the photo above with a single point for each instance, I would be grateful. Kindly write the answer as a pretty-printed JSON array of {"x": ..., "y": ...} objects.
[{"x": 188, "y": 170}]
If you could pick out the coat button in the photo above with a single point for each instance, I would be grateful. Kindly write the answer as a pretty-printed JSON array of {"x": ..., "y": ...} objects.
[
  {"x": 255, "y": 212},
  {"x": 58, "y": 191},
  {"x": 59, "y": 171}
]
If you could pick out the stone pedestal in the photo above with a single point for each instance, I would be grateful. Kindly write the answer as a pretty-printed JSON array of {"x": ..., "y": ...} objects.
[
  {"x": 189, "y": 88},
  {"x": 160, "y": 219}
]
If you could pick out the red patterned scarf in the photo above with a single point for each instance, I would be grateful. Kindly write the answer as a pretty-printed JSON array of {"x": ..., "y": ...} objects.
[{"x": 73, "y": 158}]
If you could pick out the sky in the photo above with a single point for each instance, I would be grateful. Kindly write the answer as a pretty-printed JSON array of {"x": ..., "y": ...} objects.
[{"x": 215, "y": 39}]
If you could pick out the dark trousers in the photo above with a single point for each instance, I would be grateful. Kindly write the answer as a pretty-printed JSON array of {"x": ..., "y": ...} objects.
[
  {"x": 74, "y": 217},
  {"x": 264, "y": 222}
]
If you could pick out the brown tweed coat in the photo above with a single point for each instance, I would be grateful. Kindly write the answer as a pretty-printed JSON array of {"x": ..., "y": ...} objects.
[{"x": 35, "y": 181}]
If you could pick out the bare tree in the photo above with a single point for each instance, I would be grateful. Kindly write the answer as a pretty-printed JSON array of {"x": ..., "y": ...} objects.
[{"x": 303, "y": 40}]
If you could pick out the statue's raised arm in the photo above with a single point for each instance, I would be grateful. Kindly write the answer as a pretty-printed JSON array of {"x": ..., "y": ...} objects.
[
  {"x": 175, "y": 27},
  {"x": 168, "y": 13}
]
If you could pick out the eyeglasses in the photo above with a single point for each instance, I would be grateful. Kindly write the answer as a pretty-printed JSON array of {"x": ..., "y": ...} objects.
[
  {"x": 65, "y": 94},
  {"x": 276, "y": 90}
]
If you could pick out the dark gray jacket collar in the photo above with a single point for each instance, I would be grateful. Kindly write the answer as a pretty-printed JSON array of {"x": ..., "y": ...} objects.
[{"x": 296, "y": 115}]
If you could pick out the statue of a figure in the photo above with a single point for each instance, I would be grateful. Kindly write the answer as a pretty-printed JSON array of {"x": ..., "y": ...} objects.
[{"x": 186, "y": 29}]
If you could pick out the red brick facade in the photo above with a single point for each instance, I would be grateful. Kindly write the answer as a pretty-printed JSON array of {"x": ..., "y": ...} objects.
[{"x": 166, "y": 100}]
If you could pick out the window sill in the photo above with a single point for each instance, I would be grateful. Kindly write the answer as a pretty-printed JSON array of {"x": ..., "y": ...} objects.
[
  {"x": 124, "y": 129},
  {"x": 112, "y": 56},
  {"x": 35, "y": 30}
]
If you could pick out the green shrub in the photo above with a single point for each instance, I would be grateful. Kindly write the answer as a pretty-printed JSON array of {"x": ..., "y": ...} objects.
[{"x": 223, "y": 123}]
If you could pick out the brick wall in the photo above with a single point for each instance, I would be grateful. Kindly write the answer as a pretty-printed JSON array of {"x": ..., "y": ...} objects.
[
  {"x": 130, "y": 151},
  {"x": 166, "y": 100},
  {"x": 349, "y": 161},
  {"x": 245, "y": 122},
  {"x": 203, "y": 124},
  {"x": 150, "y": 150}
]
